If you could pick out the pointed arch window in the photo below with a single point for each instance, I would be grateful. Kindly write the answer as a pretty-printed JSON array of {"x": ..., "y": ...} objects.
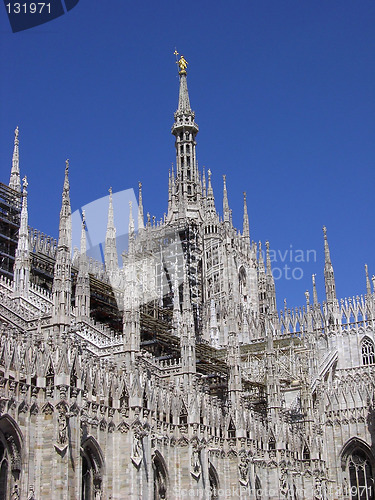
[
  {"x": 231, "y": 430},
  {"x": 358, "y": 471},
  {"x": 272, "y": 444},
  {"x": 306, "y": 452},
  {"x": 10, "y": 459},
  {"x": 4, "y": 470},
  {"x": 160, "y": 477},
  {"x": 360, "y": 476},
  {"x": 368, "y": 351},
  {"x": 258, "y": 489},
  {"x": 50, "y": 380},
  {"x": 214, "y": 482},
  {"x": 92, "y": 470},
  {"x": 183, "y": 415}
]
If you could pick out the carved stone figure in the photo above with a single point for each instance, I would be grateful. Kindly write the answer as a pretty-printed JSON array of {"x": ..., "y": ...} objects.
[{"x": 63, "y": 424}]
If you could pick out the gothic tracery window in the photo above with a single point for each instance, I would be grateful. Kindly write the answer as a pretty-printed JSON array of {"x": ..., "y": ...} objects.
[
  {"x": 368, "y": 351},
  {"x": 360, "y": 476},
  {"x": 358, "y": 466}
]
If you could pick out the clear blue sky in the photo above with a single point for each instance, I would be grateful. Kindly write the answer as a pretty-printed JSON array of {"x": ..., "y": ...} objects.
[{"x": 284, "y": 98}]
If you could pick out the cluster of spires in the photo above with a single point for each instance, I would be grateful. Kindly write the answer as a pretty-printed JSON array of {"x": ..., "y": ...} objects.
[{"x": 189, "y": 196}]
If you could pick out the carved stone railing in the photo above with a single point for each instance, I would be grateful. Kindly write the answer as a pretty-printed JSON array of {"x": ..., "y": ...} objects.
[
  {"x": 13, "y": 312},
  {"x": 42, "y": 243}
]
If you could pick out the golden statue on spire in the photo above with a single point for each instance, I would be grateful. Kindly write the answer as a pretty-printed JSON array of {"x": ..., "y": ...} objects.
[{"x": 182, "y": 63}]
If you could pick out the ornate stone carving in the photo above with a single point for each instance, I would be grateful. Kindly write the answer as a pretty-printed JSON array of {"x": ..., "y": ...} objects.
[
  {"x": 195, "y": 465},
  {"x": 243, "y": 468},
  {"x": 137, "y": 449}
]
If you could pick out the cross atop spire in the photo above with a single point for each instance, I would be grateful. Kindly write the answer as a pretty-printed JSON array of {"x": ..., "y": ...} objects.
[{"x": 15, "y": 179}]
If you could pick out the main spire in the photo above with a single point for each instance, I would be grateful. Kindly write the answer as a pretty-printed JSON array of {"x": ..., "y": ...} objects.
[{"x": 187, "y": 184}]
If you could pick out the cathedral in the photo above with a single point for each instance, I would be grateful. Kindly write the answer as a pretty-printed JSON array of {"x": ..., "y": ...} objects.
[{"x": 174, "y": 375}]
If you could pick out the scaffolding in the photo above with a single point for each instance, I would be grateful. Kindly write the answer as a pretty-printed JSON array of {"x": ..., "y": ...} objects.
[{"x": 10, "y": 216}]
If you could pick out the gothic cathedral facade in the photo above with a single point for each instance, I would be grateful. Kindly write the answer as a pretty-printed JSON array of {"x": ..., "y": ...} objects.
[{"x": 174, "y": 376}]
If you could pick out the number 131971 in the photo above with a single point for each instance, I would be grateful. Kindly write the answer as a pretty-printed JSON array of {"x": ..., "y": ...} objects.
[{"x": 32, "y": 8}]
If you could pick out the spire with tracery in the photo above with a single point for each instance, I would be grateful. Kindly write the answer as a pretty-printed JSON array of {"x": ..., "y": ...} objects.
[
  {"x": 226, "y": 210},
  {"x": 82, "y": 296},
  {"x": 15, "y": 179},
  {"x": 246, "y": 226},
  {"x": 62, "y": 279},
  {"x": 329, "y": 277},
  {"x": 22, "y": 258},
  {"x": 110, "y": 251}
]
